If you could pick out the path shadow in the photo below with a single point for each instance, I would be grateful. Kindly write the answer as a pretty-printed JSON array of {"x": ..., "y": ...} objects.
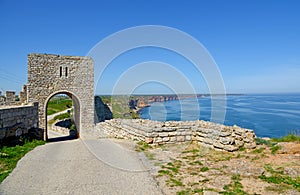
[
  {"x": 62, "y": 138},
  {"x": 55, "y": 137}
]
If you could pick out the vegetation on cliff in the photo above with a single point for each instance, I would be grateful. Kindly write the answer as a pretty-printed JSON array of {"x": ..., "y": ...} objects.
[{"x": 121, "y": 106}]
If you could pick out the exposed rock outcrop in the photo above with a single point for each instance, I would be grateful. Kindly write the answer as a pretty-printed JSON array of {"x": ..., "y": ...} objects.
[{"x": 102, "y": 111}]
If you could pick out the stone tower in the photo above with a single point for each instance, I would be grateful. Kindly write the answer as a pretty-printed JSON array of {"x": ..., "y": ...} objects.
[{"x": 49, "y": 75}]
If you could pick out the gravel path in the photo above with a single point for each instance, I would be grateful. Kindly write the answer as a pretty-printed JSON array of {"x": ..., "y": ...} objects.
[{"x": 80, "y": 167}]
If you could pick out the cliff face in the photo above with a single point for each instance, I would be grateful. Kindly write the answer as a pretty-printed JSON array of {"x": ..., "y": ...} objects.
[
  {"x": 143, "y": 101},
  {"x": 102, "y": 111},
  {"x": 138, "y": 103},
  {"x": 162, "y": 98}
]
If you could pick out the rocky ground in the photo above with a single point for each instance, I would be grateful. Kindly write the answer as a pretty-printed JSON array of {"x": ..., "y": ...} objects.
[{"x": 191, "y": 169}]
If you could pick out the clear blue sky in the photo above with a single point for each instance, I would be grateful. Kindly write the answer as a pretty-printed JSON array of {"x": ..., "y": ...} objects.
[{"x": 255, "y": 43}]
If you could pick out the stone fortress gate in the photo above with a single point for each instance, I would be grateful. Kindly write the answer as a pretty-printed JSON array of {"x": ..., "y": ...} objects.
[{"x": 49, "y": 75}]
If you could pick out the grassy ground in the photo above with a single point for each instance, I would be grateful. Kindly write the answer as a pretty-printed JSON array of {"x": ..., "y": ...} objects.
[
  {"x": 57, "y": 104},
  {"x": 9, "y": 156},
  {"x": 272, "y": 168},
  {"x": 59, "y": 117},
  {"x": 119, "y": 106}
]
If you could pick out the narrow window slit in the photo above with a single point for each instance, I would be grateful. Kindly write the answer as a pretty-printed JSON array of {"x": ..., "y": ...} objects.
[
  {"x": 66, "y": 71},
  {"x": 60, "y": 71}
]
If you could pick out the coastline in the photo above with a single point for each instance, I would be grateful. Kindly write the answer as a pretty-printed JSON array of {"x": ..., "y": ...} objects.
[{"x": 269, "y": 115}]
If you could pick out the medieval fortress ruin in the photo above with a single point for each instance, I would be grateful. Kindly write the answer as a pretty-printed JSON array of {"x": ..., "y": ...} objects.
[{"x": 49, "y": 75}]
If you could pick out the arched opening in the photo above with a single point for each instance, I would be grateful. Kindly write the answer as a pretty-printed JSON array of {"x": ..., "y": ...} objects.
[{"x": 62, "y": 114}]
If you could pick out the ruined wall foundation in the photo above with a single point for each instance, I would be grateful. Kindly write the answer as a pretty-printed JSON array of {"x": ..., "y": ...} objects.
[{"x": 212, "y": 135}]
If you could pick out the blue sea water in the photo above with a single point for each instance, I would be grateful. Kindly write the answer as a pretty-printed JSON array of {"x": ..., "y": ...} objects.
[{"x": 272, "y": 115}]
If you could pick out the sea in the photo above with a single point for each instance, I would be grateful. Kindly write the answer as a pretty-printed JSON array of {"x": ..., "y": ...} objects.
[{"x": 269, "y": 115}]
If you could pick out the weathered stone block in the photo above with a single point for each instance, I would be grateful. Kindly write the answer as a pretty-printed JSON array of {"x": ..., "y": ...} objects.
[
  {"x": 200, "y": 139},
  {"x": 173, "y": 139},
  {"x": 239, "y": 143},
  {"x": 230, "y": 148},
  {"x": 188, "y": 138},
  {"x": 226, "y": 141},
  {"x": 208, "y": 141},
  {"x": 225, "y": 133},
  {"x": 149, "y": 140},
  {"x": 157, "y": 140},
  {"x": 165, "y": 139},
  {"x": 201, "y": 134},
  {"x": 173, "y": 133},
  {"x": 238, "y": 130},
  {"x": 218, "y": 145},
  {"x": 163, "y": 134},
  {"x": 251, "y": 145},
  {"x": 180, "y": 138}
]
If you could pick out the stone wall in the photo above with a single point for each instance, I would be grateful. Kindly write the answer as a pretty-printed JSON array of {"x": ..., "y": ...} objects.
[
  {"x": 10, "y": 98},
  {"x": 2, "y": 100},
  {"x": 217, "y": 136},
  {"x": 49, "y": 75},
  {"x": 62, "y": 126},
  {"x": 18, "y": 120},
  {"x": 23, "y": 95}
]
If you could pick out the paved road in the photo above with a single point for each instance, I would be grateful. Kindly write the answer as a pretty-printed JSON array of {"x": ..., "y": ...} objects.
[{"x": 80, "y": 167}]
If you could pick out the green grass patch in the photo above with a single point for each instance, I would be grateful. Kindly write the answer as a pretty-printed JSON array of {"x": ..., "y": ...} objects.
[
  {"x": 190, "y": 191},
  {"x": 203, "y": 169},
  {"x": 58, "y": 104},
  {"x": 62, "y": 116},
  {"x": 59, "y": 117},
  {"x": 281, "y": 188},
  {"x": 9, "y": 156},
  {"x": 260, "y": 141},
  {"x": 255, "y": 158},
  {"x": 197, "y": 162},
  {"x": 142, "y": 146},
  {"x": 184, "y": 192},
  {"x": 174, "y": 167},
  {"x": 270, "y": 169},
  {"x": 279, "y": 179},
  {"x": 241, "y": 149},
  {"x": 193, "y": 151},
  {"x": 288, "y": 138},
  {"x": 165, "y": 172},
  {"x": 235, "y": 187},
  {"x": 258, "y": 151},
  {"x": 275, "y": 148},
  {"x": 174, "y": 182}
]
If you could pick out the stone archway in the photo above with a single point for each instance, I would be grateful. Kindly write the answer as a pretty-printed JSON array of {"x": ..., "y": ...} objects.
[
  {"x": 52, "y": 74},
  {"x": 76, "y": 106}
]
